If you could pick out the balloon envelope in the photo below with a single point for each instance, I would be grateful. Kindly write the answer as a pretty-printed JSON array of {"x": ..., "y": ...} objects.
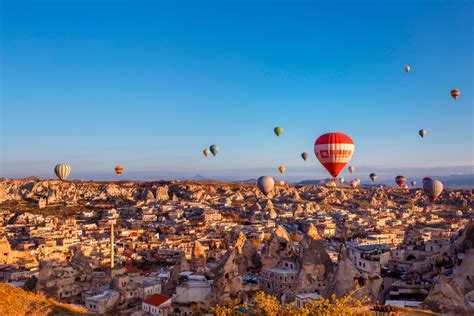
[
  {"x": 119, "y": 170},
  {"x": 351, "y": 169},
  {"x": 413, "y": 183},
  {"x": 433, "y": 188},
  {"x": 354, "y": 183},
  {"x": 334, "y": 151},
  {"x": 422, "y": 133},
  {"x": 407, "y": 68},
  {"x": 281, "y": 169},
  {"x": 278, "y": 130},
  {"x": 455, "y": 93},
  {"x": 373, "y": 176},
  {"x": 214, "y": 149},
  {"x": 62, "y": 171},
  {"x": 206, "y": 152},
  {"x": 304, "y": 156},
  {"x": 266, "y": 184},
  {"x": 281, "y": 183},
  {"x": 400, "y": 180}
]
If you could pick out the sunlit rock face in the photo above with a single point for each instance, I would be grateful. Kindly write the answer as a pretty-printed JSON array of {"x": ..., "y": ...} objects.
[{"x": 228, "y": 284}]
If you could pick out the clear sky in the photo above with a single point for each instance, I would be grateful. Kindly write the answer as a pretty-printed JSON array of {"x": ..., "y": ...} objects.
[{"x": 150, "y": 84}]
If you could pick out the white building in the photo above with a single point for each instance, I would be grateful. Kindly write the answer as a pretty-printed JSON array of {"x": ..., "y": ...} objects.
[
  {"x": 157, "y": 304},
  {"x": 192, "y": 288}
]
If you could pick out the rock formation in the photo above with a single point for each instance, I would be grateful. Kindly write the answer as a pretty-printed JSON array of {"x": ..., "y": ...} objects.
[
  {"x": 181, "y": 265},
  {"x": 228, "y": 284},
  {"x": 347, "y": 279},
  {"x": 446, "y": 296},
  {"x": 278, "y": 248},
  {"x": 313, "y": 262}
]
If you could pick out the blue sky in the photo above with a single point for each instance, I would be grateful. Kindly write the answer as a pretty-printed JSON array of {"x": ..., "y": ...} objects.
[{"x": 150, "y": 84}]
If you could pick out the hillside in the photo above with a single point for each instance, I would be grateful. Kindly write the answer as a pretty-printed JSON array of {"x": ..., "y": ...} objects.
[{"x": 17, "y": 302}]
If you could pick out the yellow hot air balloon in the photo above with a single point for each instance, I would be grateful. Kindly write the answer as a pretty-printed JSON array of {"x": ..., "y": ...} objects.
[
  {"x": 281, "y": 183},
  {"x": 281, "y": 169},
  {"x": 278, "y": 130},
  {"x": 119, "y": 170},
  {"x": 407, "y": 68}
]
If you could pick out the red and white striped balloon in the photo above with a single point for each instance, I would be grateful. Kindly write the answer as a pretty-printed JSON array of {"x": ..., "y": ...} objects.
[{"x": 334, "y": 151}]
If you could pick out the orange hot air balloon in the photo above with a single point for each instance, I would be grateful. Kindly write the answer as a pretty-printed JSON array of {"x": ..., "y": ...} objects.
[
  {"x": 119, "y": 170},
  {"x": 407, "y": 68},
  {"x": 334, "y": 151},
  {"x": 455, "y": 93},
  {"x": 281, "y": 183},
  {"x": 281, "y": 169}
]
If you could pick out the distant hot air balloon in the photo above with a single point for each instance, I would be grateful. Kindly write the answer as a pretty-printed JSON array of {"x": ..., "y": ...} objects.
[
  {"x": 304, "y": 156},
  {"x": 206, "y": 152},
  {"x": 62, "y": 170},
  {"x": 341, "y": 180},
  {"x": 214, "y": 149},
  {"x": 400, "y": 180},
  {"x": 358, "y": 180},
  {"x": 351, "y": 169},
  {"x": 433, "y": 188},
  {"x": 119, "y": 170},
  {"x": 407, "y": 68},
  {"x": 422, "y": 133},
  {"x": 266, "y": 184},
  {"x": 425, "y": 180},
  {"x": 455, "y": 93},
  {"x": 281, "y": 169},
  {"x": 373, "y": 177},
  {"x": 281, "y": 183},
  {"x": 354, "y": 183},
  {"x": 278, "y": 131},
  {"x": 413, "y": 183},
  {"x": 334, "y": 151}
]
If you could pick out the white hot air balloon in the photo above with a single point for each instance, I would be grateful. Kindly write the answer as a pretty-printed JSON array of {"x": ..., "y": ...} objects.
[{"x": 62, "y": 171}]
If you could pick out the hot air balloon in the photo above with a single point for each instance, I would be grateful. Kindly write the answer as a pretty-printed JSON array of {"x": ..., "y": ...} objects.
[
  {"x": 281, "y": 183},
  {"x": 266, "y": 184},
  {"x": 214, "y": 149},
  {"x": 304, "y": 156},
  {"x": 334, "y": 151},
  {"x": 407, "y": 68},
  {"x": 400, "y": 180},
  {"x": 354, "y": 183},
  {"x": 351, "y": 169},
  {"x": 206, "y": 152},
  {"x": 278, "y": 131},
  {"x": 455, "y": 93},
  {"x": 426, "y": 180},
  {"x": 281, "y": 169},
  {"x": 341, "y": 180},
  {"x": 422, "y": 133},
  {"x": 373, "y": 177},
  {"x": 413, "y": 183},
  {"x": 119, "y": 170},
  {"x": 62, "y": 170},
  {"x": 357, "y": 180},
  {"x": 433, "y": 189}
]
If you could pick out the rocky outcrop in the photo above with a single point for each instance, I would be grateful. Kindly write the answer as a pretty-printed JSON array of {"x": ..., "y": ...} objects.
[
  {"x": 277, "y": 248},
  {"x": 181, "y": 265},
  {"x": 314, "y": 263},
  {"x": 228, "y": 284},
  {"x": 446, "y": 296},
  {"x": 198, "y": 258},
  {"x": 346, "y": 280}
]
